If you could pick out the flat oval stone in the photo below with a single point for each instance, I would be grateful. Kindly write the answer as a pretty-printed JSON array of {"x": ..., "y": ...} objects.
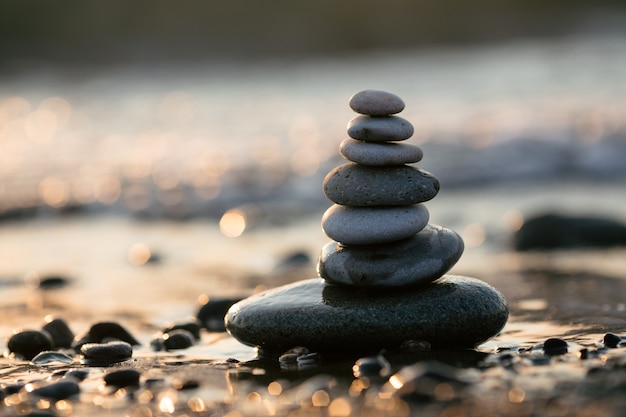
[
  {"x": 453, "y": 312},
  {"x": 380, "y": 129},
  {"x": 106, "y": 353},
  {"x": 357, "y": 185},
  {"x": 411, "y": 262},
  {"x": 380, "y": 154},
  {"x": 376, "y": 103},
  {"x": 372, "y": 225}
]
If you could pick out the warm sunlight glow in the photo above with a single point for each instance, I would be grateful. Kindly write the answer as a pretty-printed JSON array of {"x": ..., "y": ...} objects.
[
  {"x": 233, "y": 223},
  {"x": 54, "y": 192},
  {"x": 139, "y": 254},
  {"x": 474, "y": 235},
  {"x": 339, "y": 407}
]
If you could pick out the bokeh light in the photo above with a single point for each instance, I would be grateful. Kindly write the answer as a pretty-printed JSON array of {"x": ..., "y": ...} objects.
[
  {"x": 233, "y": 223},
  {"x": 54, "y": 192},
  {"x": 139, "y": 254}
]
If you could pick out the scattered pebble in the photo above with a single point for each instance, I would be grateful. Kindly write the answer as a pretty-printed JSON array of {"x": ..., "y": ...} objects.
[
  {"x": 103, "y": 332},
  {"x": 57, "y": 391},
  {"x": 191, "y": 327},
  {"x": 53, "y": 282},
  {"x": 177, "y": 339},
  {"x": 26, "y": 344},
  {"x": 110, "y": 352},
  {"x": 122, "y": 378},
  {"x": 61, "y": 334},
  {"x": 554, "y": 347},
  {"x": 211, "y": 314},
  {"x": 292, "y": 355},
  {"x": 612, "y": 340}
]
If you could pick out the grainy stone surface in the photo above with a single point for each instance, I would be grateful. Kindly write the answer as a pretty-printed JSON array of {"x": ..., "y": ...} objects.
[
  {"x": 376, "y": 103},
  {"x": 380, "y": 129},
  {"x": 415, "y": 261},
  {"x": 453, "y": 311},
  {"x": 357, "y": 185},
  {"x": 380, "y": 154},
  {"x": 372, "y": 225},
  {"x": 109, "y": 352}
]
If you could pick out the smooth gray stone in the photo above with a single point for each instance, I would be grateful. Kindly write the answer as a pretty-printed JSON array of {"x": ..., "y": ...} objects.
[
  {"x": 411, "y": 262},
  {"x": 376, "y": 103},
  {"x": 358, "y": 185},
  {"x": 452, "y": 312},
  {"x": 380, "y": 154},
  {"x": 380, "y": 129},
  {"x": 372, "y": 225}
]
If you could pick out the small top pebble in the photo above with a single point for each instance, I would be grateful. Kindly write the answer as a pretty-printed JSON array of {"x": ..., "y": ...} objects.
[{"x": 376, "y": 103}]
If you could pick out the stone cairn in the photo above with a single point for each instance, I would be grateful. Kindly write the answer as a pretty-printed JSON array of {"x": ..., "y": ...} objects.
[
  {"x": 381, "y": 279},
  {"x": 379, "y": 224}
]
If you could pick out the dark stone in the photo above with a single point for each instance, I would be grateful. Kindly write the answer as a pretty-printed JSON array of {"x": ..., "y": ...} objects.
[
  {"x": 358, "y": 185},
  {"x": 191, "y": 327},
  {"x": 123, "y": 378},
  {"x": 612, "y": 340},
  {"x": 28, "y": 343},
  {"x": 451, "y": 312},
  {"x": 557, "y": 231},
  {"x": 211, "y": 314},
  {"x": 53, "y": 282},
  {"x": 106, "y": 353},
  {"x": 57, "y": 391},
  {"x": 554, "y": 347},
  {"x": 77, "y": 374},
  {"x": 177, "y": 339},
  {"x": 104, "y": 332},
  {"x": 61, "y": 334},
  {"x": 414, "y": 261}
]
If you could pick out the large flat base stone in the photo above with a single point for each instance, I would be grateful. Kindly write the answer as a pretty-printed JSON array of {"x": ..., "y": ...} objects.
[{"x": 452, "y": 312}]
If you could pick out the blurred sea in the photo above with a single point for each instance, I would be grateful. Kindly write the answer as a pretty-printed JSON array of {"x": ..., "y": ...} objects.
[
  {"x": 216, "y": 170},
  {"x": 184, "y": 141}
]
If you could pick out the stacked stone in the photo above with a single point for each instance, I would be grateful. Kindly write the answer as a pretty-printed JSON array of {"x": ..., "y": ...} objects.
[
  {"x": 379, "y": 224},
  {"x": 381, "y": 240}
]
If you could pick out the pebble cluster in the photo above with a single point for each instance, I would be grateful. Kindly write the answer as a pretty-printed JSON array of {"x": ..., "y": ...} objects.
[{"x": 379, "y": 224}]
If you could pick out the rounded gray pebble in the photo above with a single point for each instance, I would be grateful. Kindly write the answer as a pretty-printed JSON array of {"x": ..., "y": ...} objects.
[
  {"x": 110, "y": 352},
  {"x": 380, "y": 129},
  {"x": 373, "y": 225},
  {"x": 376, "y": 103},
  {"x": 357, "y": 185},
  {"x": 380, "y": 154},
  {"x": 411, "y": 262},
  {"x": 455, "y": 312}
]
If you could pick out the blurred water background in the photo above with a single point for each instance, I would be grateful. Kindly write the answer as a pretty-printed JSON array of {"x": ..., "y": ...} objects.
[{"x": 200, "y": 133}]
